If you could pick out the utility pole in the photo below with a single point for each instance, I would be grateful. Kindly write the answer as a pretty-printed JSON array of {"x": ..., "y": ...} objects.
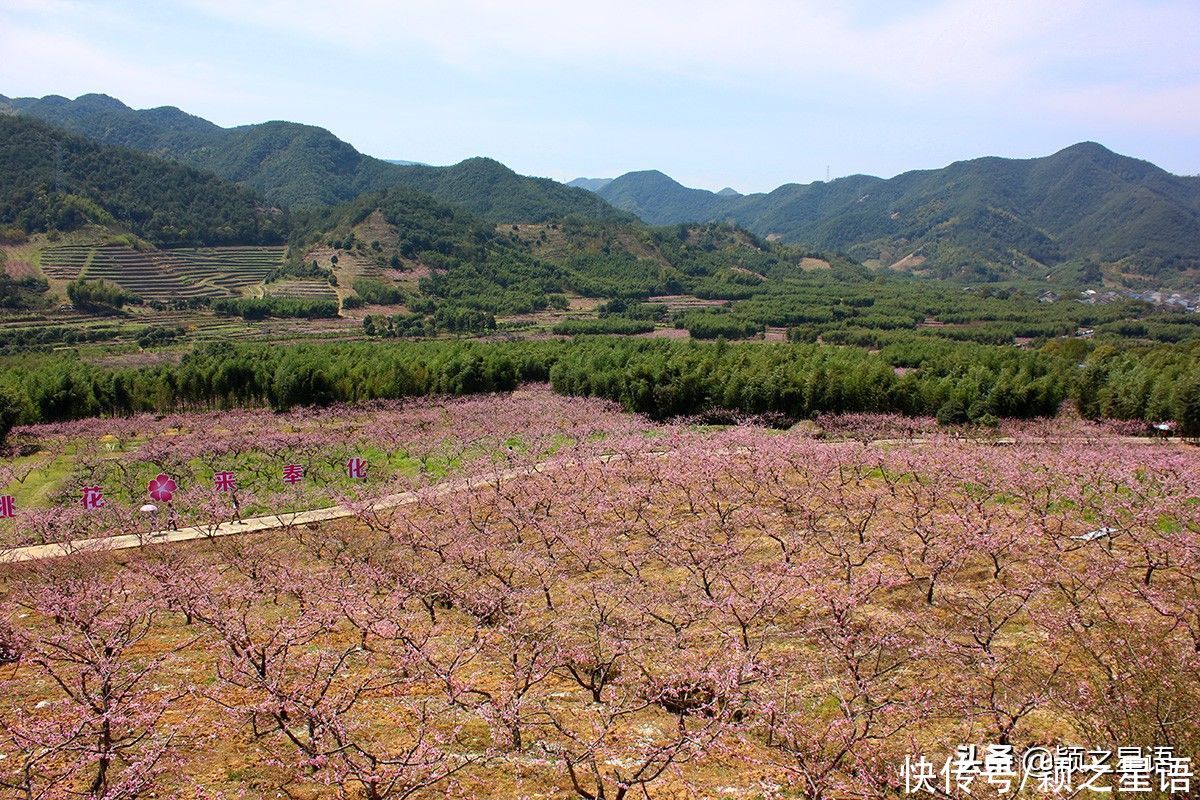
[{"x": 827, "y": 173}]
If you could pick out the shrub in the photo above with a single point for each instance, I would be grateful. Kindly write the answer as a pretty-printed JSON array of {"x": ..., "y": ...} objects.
[
  {"x": 261, "y": 308},
  {"x": 99, "y": 296},
  {"x": 159, "y": 334},
  {"x": 610, "y": 325},
  {"x": 379, "y": 293}
]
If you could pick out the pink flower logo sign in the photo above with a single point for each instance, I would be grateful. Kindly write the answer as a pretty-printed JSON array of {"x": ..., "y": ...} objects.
[
  {"x": 293, "y": 473},
  {"x": 8, "y": 506},
  {"x": 162, "y": 488},
  {"x": 224, "y": 482},
  {"x": 93, "y": 497}
]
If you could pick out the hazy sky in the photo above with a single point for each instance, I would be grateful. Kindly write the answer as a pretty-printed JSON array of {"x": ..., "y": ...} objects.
[{"x": 745, "y": 93}]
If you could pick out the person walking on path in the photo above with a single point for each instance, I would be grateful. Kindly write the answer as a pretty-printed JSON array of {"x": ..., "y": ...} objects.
[{"x": 237, "y": 508}]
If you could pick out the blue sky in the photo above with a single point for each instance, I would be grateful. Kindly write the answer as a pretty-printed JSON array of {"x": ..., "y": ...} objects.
[{"x": 748, "y": 94}]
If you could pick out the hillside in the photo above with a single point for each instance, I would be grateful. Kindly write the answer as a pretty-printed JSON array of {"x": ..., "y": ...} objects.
[
  {"x": 1084, "y": 207},
  {"x": 303, "y": 166},
  {"x": 50, "y": 179},
  {"x": 489, "y": 189},
  {"x": 440, "y": 254},
  {"x": 659, "y": 200}
]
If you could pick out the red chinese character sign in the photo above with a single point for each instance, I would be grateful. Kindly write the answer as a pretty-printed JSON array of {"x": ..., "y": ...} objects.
[
  {"x": 8, "y": 506},
  {"x": 93, "y": 497},
  {"x": 162, "y": 488},
  {"x": 356, "y": 468},
  {"x": 293, "y": 473},
  {"x": 224, "y": 482}
]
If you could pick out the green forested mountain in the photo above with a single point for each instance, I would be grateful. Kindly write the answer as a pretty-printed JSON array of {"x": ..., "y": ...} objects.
[
  {"x": 50, "y": 179},
  {"x": 489, "y": 189},
  {"x": 302, "y": 166},
  {"x": 660, "y": 200},
  {"x": 472, "y": 263},
  {"x": 1084, "y": 206}
]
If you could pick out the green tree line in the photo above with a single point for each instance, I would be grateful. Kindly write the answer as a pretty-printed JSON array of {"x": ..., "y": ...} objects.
[{"x": 660, "y": 378}]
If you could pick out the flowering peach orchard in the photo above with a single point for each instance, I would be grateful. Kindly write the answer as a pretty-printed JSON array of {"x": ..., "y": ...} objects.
[{"x": 611, "y": 608}]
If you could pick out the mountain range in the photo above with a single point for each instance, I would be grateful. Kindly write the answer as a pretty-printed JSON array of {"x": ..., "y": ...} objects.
[
  {"x": 306, "y": 167},
  {"x": 1082, "y": 213},
  {"x": 1084, "y": 207}
]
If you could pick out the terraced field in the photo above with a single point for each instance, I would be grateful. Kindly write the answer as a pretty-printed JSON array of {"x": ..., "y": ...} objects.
[
  {"x": 64, "y": 317},
  {"x": 205, "y": 326},
  {"x": 350, "y": 265},
  {"x": 144, "y": 275},
  {"x": 311, "y": 288},
  {"x": 199, "y": 325},
  {"x": 66, "y": 262},
  {"x": 165, "y": 274},
  {"x": 231, "y": 268}
]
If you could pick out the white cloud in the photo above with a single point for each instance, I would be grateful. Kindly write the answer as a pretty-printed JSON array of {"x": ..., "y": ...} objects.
[
  {"x": 54, "y": 59},
  {"x": 982, "y": 46},
  {"x": 42, "y": 58},
  {"x": 1024, "y": 51}
]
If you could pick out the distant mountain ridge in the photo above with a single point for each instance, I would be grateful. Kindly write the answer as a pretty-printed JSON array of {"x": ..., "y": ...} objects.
[
  {"x": 1084, "y": 206},
  {"x": 591, "y": 184},
  {"x": 303, "y": 166}
]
